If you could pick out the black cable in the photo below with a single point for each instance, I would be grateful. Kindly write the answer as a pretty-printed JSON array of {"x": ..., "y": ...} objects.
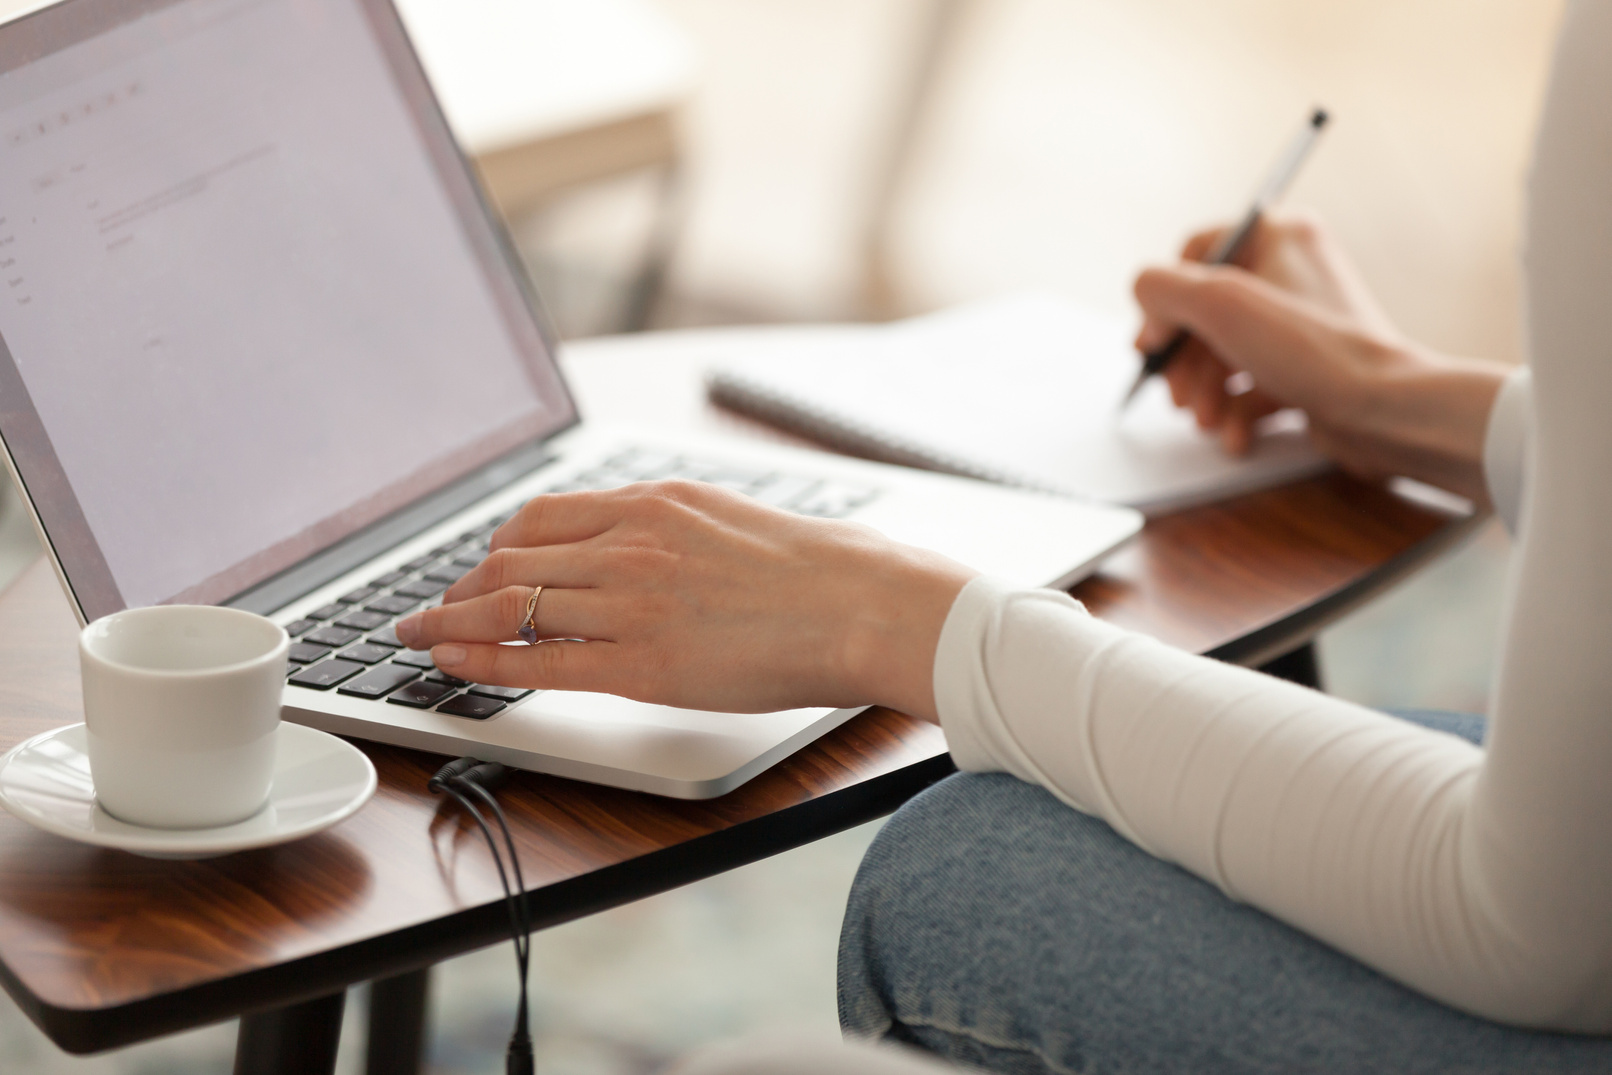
[
  {"x": 520, "y": 1042},
  {"x": 515, "y": 921},
  {"x": 471, "y": 775},
  {"x": 474, "y": 783}
]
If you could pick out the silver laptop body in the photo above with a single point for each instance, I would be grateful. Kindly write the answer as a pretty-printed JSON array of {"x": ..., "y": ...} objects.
[{"x": 263, "y": 344}]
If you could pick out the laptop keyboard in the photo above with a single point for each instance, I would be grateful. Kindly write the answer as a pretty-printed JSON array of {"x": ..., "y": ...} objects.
[
  {"x": 350, "y": 646},
  {"x": 823, "y": 498}
]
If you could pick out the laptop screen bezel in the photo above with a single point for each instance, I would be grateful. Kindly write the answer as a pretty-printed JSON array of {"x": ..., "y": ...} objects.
[{"x": 67, "y": 538}]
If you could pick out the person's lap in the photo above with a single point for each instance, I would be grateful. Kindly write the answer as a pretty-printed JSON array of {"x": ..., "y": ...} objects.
[{"x": 993, "y": 925}]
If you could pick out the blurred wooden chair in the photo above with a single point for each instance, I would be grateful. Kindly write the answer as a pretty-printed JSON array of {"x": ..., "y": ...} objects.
[
  {"x": 939, "y": 30},
  {"x": 548, "y": 95}
]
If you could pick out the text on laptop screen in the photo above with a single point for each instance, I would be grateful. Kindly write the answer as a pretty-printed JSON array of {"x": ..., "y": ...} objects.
[{"x": 237, "y": 289}]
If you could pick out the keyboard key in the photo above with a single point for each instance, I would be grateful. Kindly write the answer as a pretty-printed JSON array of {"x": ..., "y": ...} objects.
[
  {"x": 738, "y": 482},
  {"x": 834, "y": 500},
  {"x": 420, "y": 694},
  {"x": 449, "y": 572},
  {"x": 358, "y": 596},
  {"x": 470, "y": 706},
  {"x": 415, "y": 658},
  {"x": 443, "y": 550},
  {"x": 366, "y": 653},
  {"x": 436, "y": 676},
  {"x": 503, "y": 694},
  {"x": 331, "y": 636},
  {"x": 782, "y": 490},
  {"x": 387, "y": 637},
  {"x": 378, "y": 681},
  {"x": 322, "y": 677},
  {"x": 391, "y": 578},
  {"x": 422, "y": 588},
  {"x": 468, "y": 560},
  {"x": 644, "y": 464},
  {"x": 604, "y": 479},
  {"x": 419, "y": 562},
  {"x": 298, "y": 627},
  {"x": 721, "y": 474},
  {"x": 306, "y": 653},
  {"x": 392, "y": 604},
  {"x": 360, "y": 620},
  {"x": 325, "y": 612}
]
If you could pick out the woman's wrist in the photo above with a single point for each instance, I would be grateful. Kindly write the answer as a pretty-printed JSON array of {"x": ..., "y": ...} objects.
[
  {"x": 894, "y": 617},
  {"x": 1414, "y": 412}
]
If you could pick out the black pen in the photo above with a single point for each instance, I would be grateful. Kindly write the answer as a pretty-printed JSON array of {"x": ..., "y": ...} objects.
[{"x": 1232, "y": 243}]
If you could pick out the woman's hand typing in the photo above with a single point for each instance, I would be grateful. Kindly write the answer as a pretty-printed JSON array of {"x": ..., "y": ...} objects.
[{"x": 694, "y": 596}]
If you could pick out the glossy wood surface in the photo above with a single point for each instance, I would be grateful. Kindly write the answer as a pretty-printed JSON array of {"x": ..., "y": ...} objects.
[{"x": 103, "y": 948}]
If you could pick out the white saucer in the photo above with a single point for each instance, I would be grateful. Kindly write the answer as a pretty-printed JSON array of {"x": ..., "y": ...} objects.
[{"x": 318, "y": 781}]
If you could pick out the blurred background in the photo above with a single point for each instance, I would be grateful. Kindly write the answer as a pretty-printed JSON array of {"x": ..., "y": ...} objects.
[{"x": 675, "y": 163}]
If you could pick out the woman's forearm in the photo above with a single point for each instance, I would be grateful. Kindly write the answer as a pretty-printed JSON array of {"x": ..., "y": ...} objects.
[{"x": 1354, "y": 827}]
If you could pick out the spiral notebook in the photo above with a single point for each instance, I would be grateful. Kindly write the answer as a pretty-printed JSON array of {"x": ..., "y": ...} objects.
[{"x": 1023, "y": 390}]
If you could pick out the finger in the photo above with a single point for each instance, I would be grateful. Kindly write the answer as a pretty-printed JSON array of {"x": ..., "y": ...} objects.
[
  {"x": 1242, "y": 414},
  {"x": 1231, "y": 311},
  {"x": 1199, "y": 244},
  {"x": 573, "y": 565},
  {"x": 1237, "y": 435},
  {"x": 1155, "y": 332},
  {"x": 1158, "y": 292},
  {"x": 497, "y": 616},
  {"x": 560, "y": 665},
  {"x": 559, "y": 519},
  {"x": 1209, "y": 392},
  {"x": 1182, "y": 374},
  {"x": 1154, "y": 335}
]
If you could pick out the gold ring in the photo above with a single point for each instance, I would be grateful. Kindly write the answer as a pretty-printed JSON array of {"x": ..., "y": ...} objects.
[{"x": 528, "y": 628}]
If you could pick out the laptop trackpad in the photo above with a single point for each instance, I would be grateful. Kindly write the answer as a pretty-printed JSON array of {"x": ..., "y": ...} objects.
[{"x": 682, "y": 745}]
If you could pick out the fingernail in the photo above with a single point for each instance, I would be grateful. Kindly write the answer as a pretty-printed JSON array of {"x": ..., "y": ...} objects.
[
  {"x": 448, "y": 656},
  {"x": 408, "y": 630}
]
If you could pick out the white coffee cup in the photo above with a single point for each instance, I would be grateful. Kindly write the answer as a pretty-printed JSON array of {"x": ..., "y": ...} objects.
[{"x": 181, "y": 705}]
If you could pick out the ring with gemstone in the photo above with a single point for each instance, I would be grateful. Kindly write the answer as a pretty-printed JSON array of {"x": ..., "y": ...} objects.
[{"x": 528, "y": 628}]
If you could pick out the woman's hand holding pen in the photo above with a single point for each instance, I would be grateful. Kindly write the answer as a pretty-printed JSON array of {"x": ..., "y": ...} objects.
[{"x": 1294, "y": 326}]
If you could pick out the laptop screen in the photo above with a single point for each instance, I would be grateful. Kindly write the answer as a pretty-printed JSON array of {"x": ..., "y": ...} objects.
[{"x": 249, "y": 300}]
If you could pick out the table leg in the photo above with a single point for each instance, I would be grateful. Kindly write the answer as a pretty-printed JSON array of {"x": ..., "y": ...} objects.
[
  {"x": 397, "y": 1011},
  {"x": 1300, "y": 666},
  {"x": 296, "y": 1040}
]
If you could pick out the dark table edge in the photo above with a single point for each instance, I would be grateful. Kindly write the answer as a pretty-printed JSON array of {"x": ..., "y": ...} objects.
[
  {"x": 1288, "y": 632},
  {"x": 89, "y": 1030}
]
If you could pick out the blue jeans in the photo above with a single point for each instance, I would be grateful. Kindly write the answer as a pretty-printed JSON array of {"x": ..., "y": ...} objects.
[{"x": 994, "y": 926}]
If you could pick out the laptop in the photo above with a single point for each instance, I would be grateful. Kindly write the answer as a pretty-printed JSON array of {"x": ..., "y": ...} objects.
[{"x": 263, "y": 344}]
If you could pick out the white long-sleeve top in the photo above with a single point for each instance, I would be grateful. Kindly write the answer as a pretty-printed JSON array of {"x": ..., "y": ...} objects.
[{"x": 1481, "y": 877}]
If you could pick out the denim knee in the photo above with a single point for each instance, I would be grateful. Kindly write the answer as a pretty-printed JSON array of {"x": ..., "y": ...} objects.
[
  {"x": 945, "y": 924},
  {"x": 995, "y": 926}
]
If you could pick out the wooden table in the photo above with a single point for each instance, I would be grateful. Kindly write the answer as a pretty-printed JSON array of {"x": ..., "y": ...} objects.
[{"x": 103, "y": 949}]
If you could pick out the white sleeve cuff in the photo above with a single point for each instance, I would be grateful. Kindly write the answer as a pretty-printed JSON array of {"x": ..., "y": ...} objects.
[
  {"x": 1505, "y": 444},
  {"x": 959, "y": 674},
  {"x": 964, "y": 699}
]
